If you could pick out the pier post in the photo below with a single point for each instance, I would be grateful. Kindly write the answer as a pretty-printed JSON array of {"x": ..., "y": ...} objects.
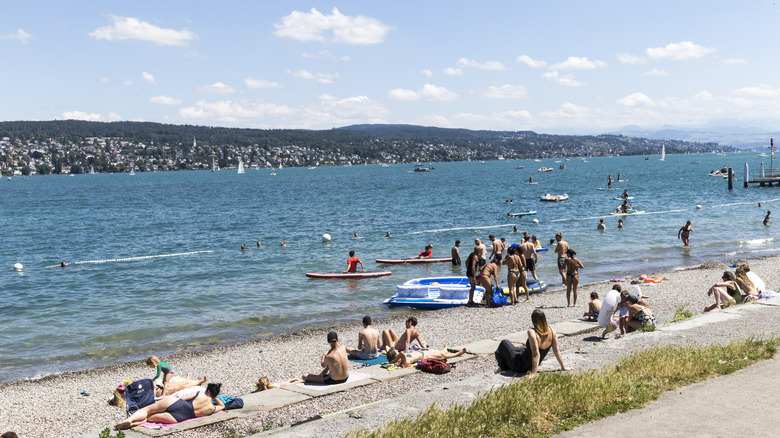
[
  {"x": 731, "y": 178},
  {"x": 747, "y": 172}
]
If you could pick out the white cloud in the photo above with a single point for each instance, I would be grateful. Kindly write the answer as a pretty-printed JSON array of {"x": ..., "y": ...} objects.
[
  {"x": 165, "y": 100},
  {"x": 655, "y": 72},
  {"x": 149, "y": 78},
  {"x": 452, "y": 71},
  {"x": 427, "y": 92},
  {"x": 216, "y": 88},
  {"x": 228, "y": 111},
  {"x": 261, "y": 84},
  {"x": 503, "y": 92},
  {"x": 631, "y": 59},
  {"x": 635, "y": 99},
  {"x": 568, "y": 110},
  {"x": 20, "y": 35},
  {"x": 105, "y": 80},
  {"x": 426, "y": 72},
  {"x": 577, "y": 63},
  {"x": 322, "y": 78},
  {"x": 567, "y": 80},
  {"x": 679, "y": 51},
  {"x": 130, "y": 28},
  {"x": 534, "y": 63},
  {"x": 351, "y": 108},
  {"x": 90, "y": 117},
  {"x": 488, "y": 65},
  {"x": 336, "y": 27},
  {"x": 734, "y": 61},
  {"x": 127, "y": 82}
]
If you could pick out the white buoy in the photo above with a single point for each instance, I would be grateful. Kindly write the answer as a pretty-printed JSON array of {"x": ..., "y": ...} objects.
[
  {"x": 698, "y": 207},
  {"x": 18, "y": 266},
  {"x": 326, "y": 237},
  {"x": 536, "y": 221}
]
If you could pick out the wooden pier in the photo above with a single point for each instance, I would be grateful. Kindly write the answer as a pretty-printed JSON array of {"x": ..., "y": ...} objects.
[{"x": 762, "y": 177}]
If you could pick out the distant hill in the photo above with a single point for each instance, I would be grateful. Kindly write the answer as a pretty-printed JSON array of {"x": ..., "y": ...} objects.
[{"x": 725, "y": 135}]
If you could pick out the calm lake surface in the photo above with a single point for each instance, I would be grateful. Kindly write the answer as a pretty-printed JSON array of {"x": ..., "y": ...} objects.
[{"x": 162, "y": 271}]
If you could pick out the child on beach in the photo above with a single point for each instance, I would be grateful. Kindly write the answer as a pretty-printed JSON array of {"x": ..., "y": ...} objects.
[
  {"x": 265, "y": 384},
  {"x": 623, "y": 311},
  {"x": 594, "y": 307},
  {"x": 162, "y": 367}
]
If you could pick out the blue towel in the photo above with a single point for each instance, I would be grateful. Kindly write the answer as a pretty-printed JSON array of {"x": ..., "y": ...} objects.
[{"x": 379, "y": 360}]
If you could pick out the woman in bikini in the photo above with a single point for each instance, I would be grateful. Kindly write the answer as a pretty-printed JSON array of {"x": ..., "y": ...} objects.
[
  {"x": 490, "y": 269},
  {"x": 639, "y": 314},
  {"x": 399, "y": 358},
  {"x": 572, "y": 264},
  {"x": 726, "y": 292},
  {"x": 516, "y": 275},
  {"x": 541, "y": 338},
  {"x": 175, "y": 410}
]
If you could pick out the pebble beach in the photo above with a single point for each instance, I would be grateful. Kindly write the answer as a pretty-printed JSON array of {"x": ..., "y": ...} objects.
[{"x": 55, "y": 406}]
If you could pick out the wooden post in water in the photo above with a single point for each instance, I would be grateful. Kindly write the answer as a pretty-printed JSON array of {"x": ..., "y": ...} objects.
[
  {"x": 745, "y": 181},
  {"x": 731, "y": 178}
]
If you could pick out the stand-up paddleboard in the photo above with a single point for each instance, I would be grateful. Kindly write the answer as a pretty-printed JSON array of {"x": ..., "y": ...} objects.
[
  {"x": 621, "y": 199},
  {"x": 428, "y": 260},
  {"x": 606, "y": 188},
  {"x": 631, "y": 213},
  {"x": 367, "y": 274},
  {"x": 521, "y": 214}
]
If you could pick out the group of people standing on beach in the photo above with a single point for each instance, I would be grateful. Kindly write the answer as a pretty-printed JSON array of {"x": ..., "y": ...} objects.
[{"x": 482, "y": 269}]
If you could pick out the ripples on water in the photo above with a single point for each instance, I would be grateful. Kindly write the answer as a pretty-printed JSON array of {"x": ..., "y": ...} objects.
[{"x": 170, "y": 276}]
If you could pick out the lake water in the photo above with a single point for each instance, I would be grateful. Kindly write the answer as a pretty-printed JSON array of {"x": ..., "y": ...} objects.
[{"x": 163, "y": 272}]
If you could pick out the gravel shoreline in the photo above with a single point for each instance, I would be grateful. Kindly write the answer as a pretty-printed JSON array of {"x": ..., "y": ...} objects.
[{"x": 54, "y": 406}]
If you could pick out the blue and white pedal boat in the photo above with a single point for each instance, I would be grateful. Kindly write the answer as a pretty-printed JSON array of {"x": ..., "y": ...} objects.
[{"x": 444, "y": 292}]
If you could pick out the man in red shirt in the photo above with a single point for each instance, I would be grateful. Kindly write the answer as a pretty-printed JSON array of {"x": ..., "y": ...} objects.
[
  {"x": 426, "y": 254},
  {"x": 352, "y": 263}
]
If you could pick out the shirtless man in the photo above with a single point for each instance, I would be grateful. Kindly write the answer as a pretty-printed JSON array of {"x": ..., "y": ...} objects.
[
  {"x": 498, "y": 248},
  {"x": 601, "y": 225},
  {"x": 456, "y": 253},
  {"x": 335, "y": 367},
  {"x": 560, "y": 250},
  {"x": 471, "y": 273},
  {"x": 352, "y": 263},
  {"x": 490, "y": 270},
  {"x": 684, "y": 233},
  {"x": 391, "y": 340},
  {"x": 529, "y": 252},
  {"x": 481, "y": 251},
  {"x": 401, "y": 359},
  {"x": 368, "y": 342}
]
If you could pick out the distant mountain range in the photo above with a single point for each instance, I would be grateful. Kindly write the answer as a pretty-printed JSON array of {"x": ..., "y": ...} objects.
[{"x": 735, "y": 136}]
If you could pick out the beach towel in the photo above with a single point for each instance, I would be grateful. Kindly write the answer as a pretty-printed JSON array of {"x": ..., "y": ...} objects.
[
  {"x": 158, "y": 426},
  {"x": 353, "y": 377},
  {"x": 375, "y": 361}
]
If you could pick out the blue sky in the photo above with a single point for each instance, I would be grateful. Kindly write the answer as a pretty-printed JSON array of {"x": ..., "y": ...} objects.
[{"x": 547, "y": 66}]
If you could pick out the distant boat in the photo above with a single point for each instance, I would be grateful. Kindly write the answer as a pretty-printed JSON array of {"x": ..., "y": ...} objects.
[
  {"x": 663, "y": 153},
  {"x": 240, "y": 166},
  {"x": 422, "y": 168},
  {"x": 545, "y": 169},
  {"x": 761, "y": 155},
  {"x": 91, "y": 170},
  {"x": 519, "y": 167},
  {"x": 132, "y": 171},
  {"x": 273, "y": 173},
  {"x": 312, "y": 167}
]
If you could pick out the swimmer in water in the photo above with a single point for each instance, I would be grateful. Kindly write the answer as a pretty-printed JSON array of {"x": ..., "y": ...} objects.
[
  {"x": 388, "y": 234},
  {"x": 258, "y": 245},
  {"x": 282, "y": 244},
  {"x": 243, "y": 247}
]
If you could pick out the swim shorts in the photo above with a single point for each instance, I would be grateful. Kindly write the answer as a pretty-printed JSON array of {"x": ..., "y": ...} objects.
[
  {"x": 362, "y": 355},
  {"x": 530, "y": 264},
  {"x": 329, "y": 381},
  {"x": 560, "y": 262}
]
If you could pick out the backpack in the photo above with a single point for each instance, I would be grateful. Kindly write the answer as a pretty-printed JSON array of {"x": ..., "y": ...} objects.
[
  {"x": 435, "y": 366},
  {"x": 231, "y": 402},
  {"x": 139, "y": 394},
  {"x": 498, "y": 298}
]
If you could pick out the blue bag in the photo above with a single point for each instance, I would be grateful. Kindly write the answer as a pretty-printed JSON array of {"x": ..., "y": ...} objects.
[
  {"x": 139, "y": 394},
  {"x": 498, "y": 298}
]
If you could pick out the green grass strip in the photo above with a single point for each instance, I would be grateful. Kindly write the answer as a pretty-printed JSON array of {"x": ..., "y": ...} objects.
[{"x": 554, "y": 402}]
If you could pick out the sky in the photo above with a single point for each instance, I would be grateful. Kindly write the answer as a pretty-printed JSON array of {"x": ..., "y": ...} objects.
[{"x": 546, "y": 66}]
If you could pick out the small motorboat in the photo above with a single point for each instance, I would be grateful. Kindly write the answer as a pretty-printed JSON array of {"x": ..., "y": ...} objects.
[
  {"x": 554, "y": 198},
  {"x": 545, "y": 169}
]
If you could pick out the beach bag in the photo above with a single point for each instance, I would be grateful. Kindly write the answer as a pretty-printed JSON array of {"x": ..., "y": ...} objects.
[
  {"x": 498, "y": 298},
  {"x": 434, "y": 366},
  {"x": 231, "y": 402},
  {"x": 139, "y": 394}
]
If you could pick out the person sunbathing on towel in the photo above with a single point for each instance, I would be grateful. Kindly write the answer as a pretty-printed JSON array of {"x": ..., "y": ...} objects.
[
  {"x": 398, "y": 358},
  {"x": 335, "y": 367},
  {"x": 175, "y": 410},
  {"x": 171, "y": 385}
]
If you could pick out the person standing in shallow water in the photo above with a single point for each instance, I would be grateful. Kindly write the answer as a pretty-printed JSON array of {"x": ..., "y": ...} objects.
[
  {"x": 767, "y": 221},
  {"x": 685, "y": 232}
]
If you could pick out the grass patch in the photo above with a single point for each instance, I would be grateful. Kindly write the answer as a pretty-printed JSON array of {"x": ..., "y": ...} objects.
[
  {"x": 681, "y": 314},
  {"x": 106, "y": 433},
  {"x": 648, "y": 328},
  {"x": 554, "y": 402}
]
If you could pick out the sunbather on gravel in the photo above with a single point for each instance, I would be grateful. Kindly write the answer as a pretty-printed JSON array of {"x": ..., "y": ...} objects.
[{"x": 398, "y": 358}]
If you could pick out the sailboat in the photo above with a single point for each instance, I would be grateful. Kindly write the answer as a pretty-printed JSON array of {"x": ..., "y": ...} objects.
[
  {"x": 240, "y": 166},
  {"x": 663, "y": 153},
  {"x": 132, "y": 170},
  {"x": 91, "y": 170}
]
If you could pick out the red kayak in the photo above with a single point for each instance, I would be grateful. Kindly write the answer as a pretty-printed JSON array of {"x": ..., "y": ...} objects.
[
  {"x": 347, "y": 274},
  {"x": 428, "y": 260}
]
